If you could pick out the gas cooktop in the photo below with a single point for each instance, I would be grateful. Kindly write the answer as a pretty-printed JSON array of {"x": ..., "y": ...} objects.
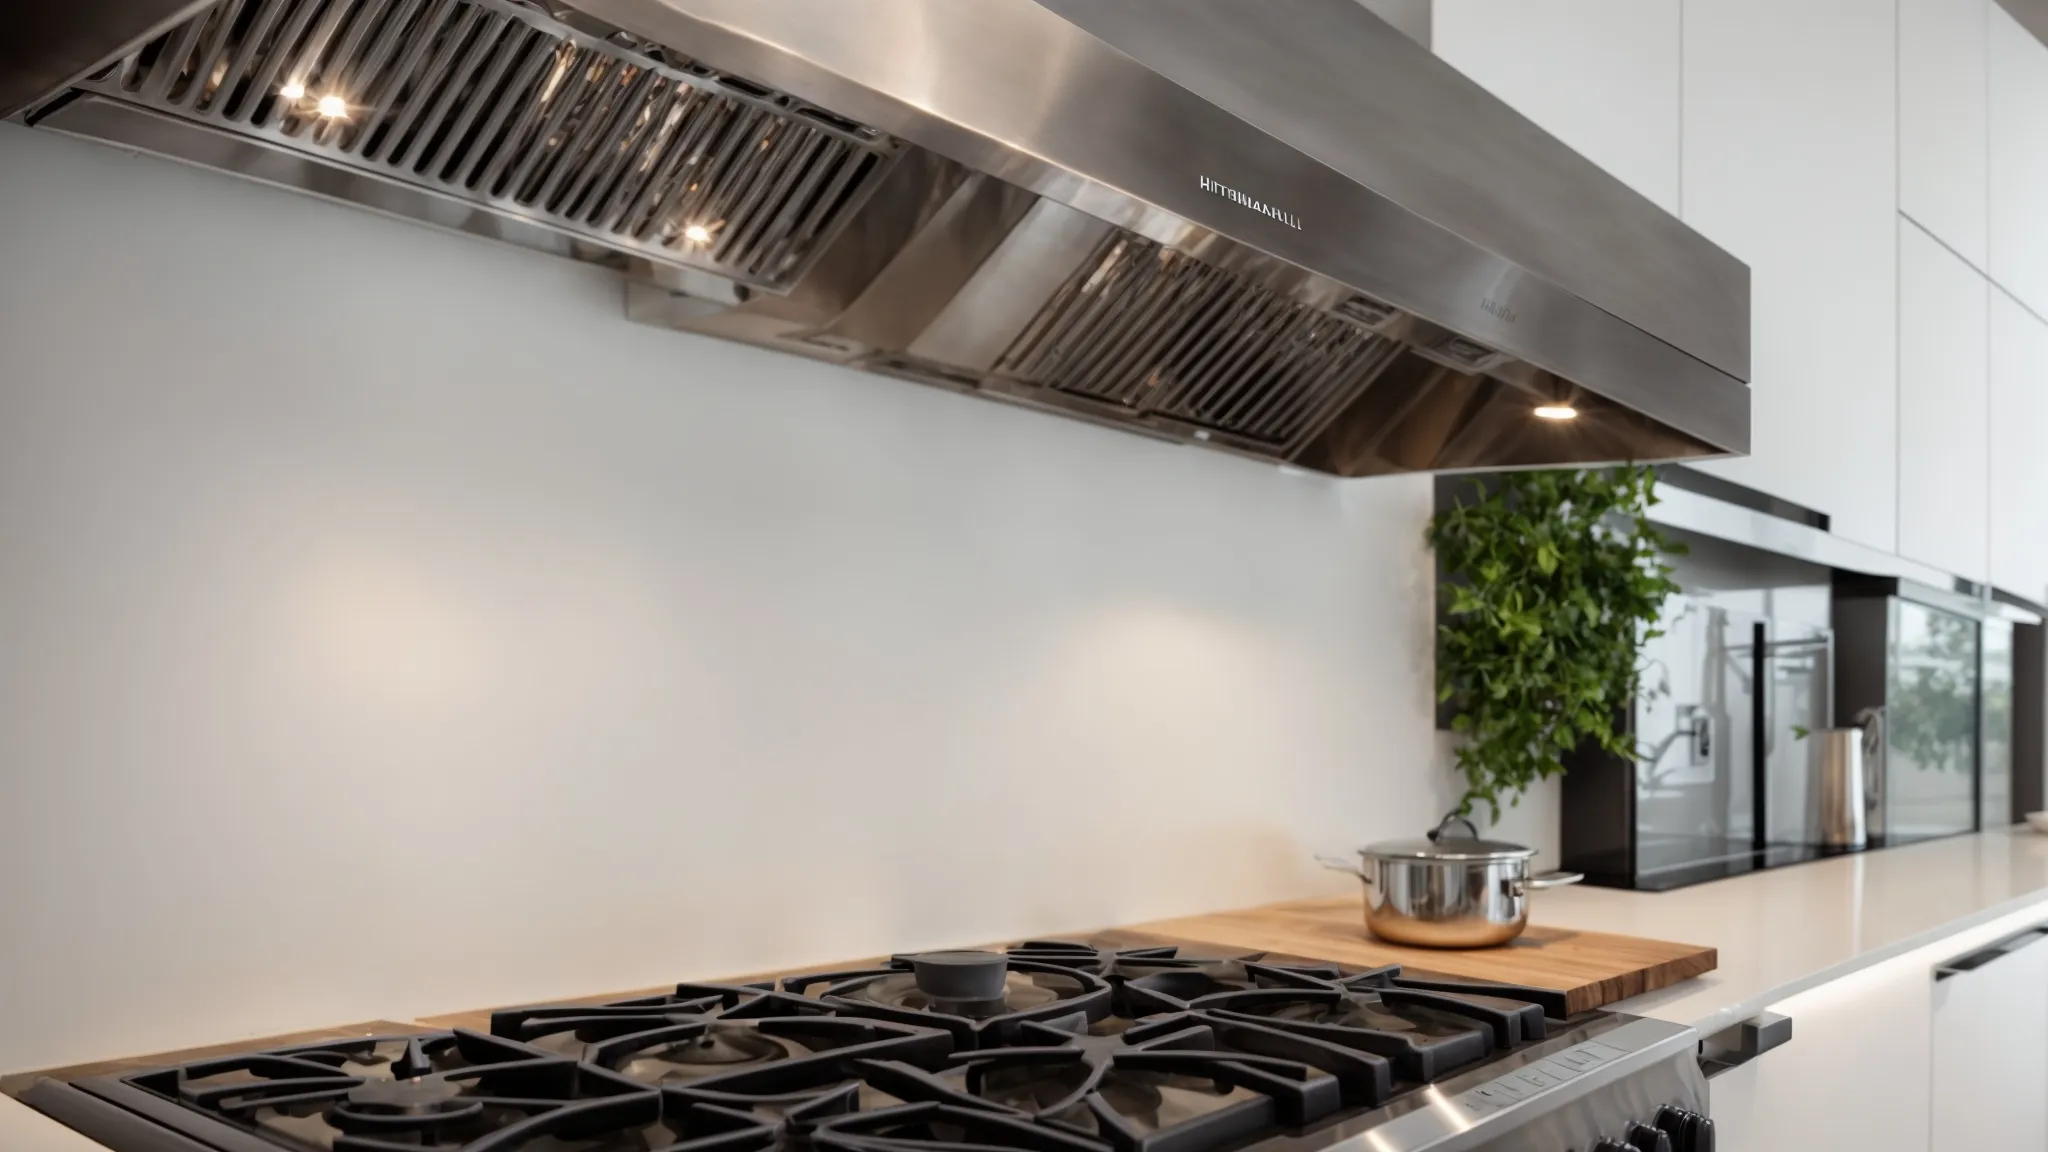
[{"x": 1052, "y": 1046}]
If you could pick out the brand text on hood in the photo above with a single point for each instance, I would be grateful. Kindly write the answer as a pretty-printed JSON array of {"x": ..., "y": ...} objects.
[{"x": 1259, "y": 206}]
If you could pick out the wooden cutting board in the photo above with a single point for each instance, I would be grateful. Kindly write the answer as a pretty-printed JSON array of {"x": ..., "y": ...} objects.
[{"x": 1591, "y": 968}]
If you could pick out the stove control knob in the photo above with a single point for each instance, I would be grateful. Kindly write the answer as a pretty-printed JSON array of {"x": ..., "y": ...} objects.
[
  {"x": 1649, "y": 1139},
  {"x": 1689, "y": 1131},
  {"x": 1615, "y": 1146}
]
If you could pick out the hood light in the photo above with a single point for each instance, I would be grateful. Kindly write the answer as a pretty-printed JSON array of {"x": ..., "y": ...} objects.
[
  {"x": 697, "y": 234},
  {"x": 333, "y": 107},
  {"x": 1557, "y": 412},
  {"x": 293, "y": 91}
]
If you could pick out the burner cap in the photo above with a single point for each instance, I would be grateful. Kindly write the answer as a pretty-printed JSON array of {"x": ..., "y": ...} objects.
[
  {"x": 960, "y": 975},
  {"x": 416, "y": 1097}
]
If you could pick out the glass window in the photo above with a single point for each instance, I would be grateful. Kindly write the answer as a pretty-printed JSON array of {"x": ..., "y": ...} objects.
[
  {"x": 1995, "y": 809},
  {"x": 1930, "y": 771}
]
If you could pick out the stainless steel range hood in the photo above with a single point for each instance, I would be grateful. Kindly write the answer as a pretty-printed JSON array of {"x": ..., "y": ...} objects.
[{"x": 1279, "y": 227}]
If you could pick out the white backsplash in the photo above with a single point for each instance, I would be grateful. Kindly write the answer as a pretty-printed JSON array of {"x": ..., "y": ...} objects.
[{"x": 388, "y": 627}]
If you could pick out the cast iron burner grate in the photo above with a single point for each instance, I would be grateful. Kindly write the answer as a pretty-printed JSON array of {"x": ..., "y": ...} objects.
[
  {"x": 979, "y": 997},
  {"x": 703, "y": 1035},
  {"x": 449, "y": 1090},
  {"x": 1177, "y": 1082},
  {"x": 1425, "y": 1028},
  {"x": 1050, "y": 1047},
  {"x": 1099, "y": 961}
]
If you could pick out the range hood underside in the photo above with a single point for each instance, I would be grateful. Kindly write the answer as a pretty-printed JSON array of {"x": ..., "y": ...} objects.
[{"x": 754, "y": 214}]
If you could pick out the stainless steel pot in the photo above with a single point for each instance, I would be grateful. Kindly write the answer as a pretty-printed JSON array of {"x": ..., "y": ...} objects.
[{"x": 1448, "y": 891}]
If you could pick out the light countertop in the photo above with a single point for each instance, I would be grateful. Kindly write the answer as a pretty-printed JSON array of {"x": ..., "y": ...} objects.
[{"x": 1783, "y": 931}]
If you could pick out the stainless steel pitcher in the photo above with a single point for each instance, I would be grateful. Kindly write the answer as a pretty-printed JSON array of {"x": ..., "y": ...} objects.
[
  {"x": 1838, "y": 789},
  {"x": 1843, "y": 788}
]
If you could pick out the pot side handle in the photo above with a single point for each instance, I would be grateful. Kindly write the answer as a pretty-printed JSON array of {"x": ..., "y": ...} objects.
[
  {"x": 1340, "y": 864},
  {"x": 1552, "y": 880}
]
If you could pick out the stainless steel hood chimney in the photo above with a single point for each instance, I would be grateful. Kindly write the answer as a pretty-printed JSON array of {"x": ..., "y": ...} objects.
[{"x": 1277, "y": 227}]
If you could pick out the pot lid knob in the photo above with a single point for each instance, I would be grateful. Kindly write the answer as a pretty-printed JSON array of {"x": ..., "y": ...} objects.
[{"x": 1439, "y": 832}]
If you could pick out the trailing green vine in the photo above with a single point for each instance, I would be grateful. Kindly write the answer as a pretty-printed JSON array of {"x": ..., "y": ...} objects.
[{"x": 1551, "y": 583}]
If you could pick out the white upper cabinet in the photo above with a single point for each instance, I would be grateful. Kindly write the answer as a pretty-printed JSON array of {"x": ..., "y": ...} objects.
[
  {"x": 1943, "y": 105},
  {"x": 1790, "y": 154},
  {"x": 2019, "y": 459},
  {"x": 1600, "y": 75},
  {"x": 1944, "y": 396},
  {"x": 2019, "y": 161}
]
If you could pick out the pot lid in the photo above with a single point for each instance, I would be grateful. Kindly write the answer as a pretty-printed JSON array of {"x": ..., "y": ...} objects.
[
  {"x": 1449, "y": 843},
  {"x": 1450, "y": 848}
]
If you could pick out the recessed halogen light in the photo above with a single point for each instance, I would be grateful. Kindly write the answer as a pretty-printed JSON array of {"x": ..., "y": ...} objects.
[
  {"x": 1557, "y": 412},
  {"x": 293, "y": 91},
  {"x": 697, "y": 234},
  {"x": 333, "y": 107}
]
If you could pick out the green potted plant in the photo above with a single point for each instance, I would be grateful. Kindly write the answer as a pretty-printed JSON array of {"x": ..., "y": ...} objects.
[{"x": 1550, "y": 583}]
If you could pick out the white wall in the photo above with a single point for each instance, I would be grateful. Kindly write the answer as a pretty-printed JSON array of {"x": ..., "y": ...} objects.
[
  {"x": 388, "y": 627},
  {"x": 1601, "y": 75}
]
